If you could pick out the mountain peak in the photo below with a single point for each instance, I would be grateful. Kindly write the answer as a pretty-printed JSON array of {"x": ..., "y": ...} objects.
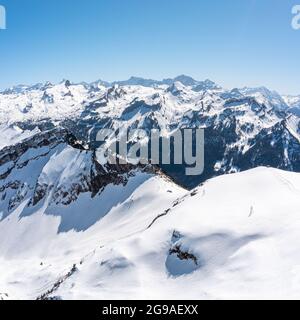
[
  {"x": 185, "y": 80},
  {"x": 66, "y": 82}
]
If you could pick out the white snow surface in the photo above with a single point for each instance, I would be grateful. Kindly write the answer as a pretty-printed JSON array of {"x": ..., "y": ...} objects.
[
  {"x": 11, "y": 135},
  {"x": 168, "y": 104},
  {"x": 239, "y": 235}
]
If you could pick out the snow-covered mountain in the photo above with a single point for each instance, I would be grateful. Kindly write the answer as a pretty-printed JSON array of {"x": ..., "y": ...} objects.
[
  {"x": 160, "y": 241},
  {"x": 73, "y": 228},
  {"x": 245, "y": 127},
  {"x": 294, "y": 104}
]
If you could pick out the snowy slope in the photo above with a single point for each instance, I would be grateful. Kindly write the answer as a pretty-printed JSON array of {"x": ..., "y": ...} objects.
[
  {"x": 11, "y": 135},
  {"x": 292, "y": 101},
  {"x": 165, "y": 243},
  {"x": 34, "y": 253},
  {"x": 294, "y": 104},
  {"x": 43, "y": 101},
  {"x": 245, "y": 246}
]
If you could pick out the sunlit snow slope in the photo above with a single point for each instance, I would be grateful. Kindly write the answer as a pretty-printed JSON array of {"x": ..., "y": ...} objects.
[
  {"x": 235, "y": 236},
  {"x": 35, "y": 254}
]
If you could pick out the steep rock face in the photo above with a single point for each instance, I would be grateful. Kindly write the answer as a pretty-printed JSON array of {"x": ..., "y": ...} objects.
[
  {"x": 21, "y": 165},
  {"x": 54, "y": 169}
]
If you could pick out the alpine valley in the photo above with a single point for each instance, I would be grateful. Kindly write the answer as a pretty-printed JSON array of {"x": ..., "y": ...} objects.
[{"x": 71, "y": 228}]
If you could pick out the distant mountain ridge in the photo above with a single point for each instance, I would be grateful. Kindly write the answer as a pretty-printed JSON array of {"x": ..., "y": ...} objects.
[
  {"x": 185, "y": 80},
  {"x": 244, "y": 127},
  {"x": 281, "y": 100}
]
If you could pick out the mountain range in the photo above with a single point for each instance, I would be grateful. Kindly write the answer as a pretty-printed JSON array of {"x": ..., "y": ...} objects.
[
  {"x": 73, "y": 228},
  {"x": 244, "y": 128}
]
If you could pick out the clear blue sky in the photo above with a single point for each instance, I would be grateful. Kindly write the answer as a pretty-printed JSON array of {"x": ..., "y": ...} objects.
[{"x": 233, "y": 42}]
